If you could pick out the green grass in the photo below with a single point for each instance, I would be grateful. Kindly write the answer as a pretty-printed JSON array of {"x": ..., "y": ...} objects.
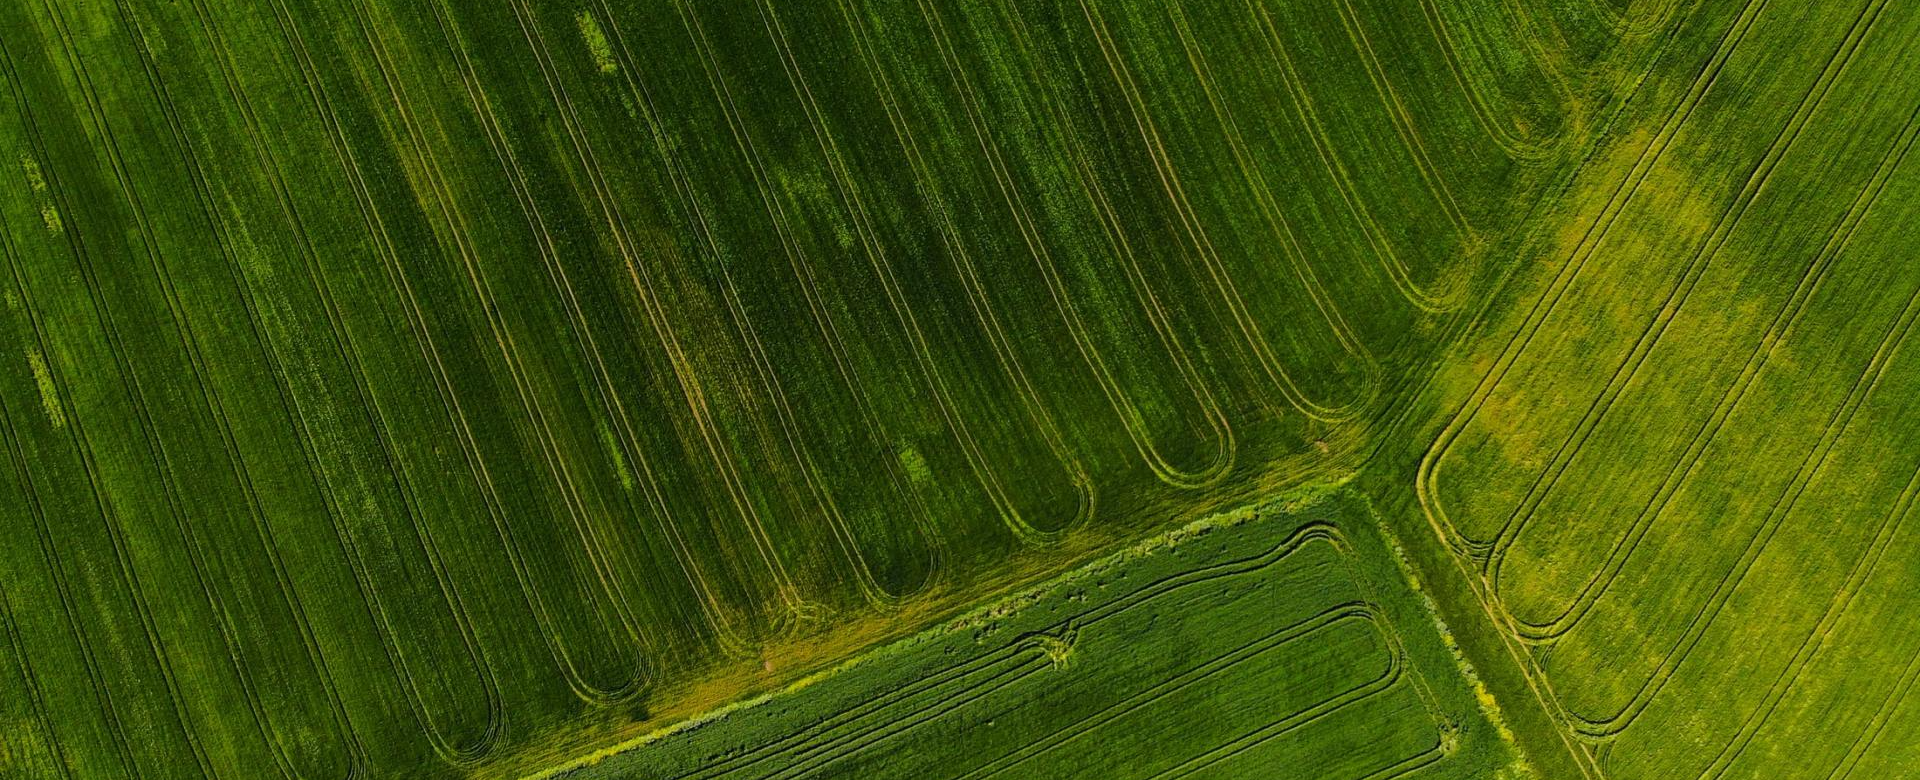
[
  {"x": 1256, "y": 644},
  {"x": 453, "y": 389}
]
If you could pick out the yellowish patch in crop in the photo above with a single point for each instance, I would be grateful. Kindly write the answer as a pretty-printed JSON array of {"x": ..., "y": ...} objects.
[
  {"x": 37, "y": 182},
  {"x": 619, "y": 459},
  {"x": 597, "y": 45},
  {"x": 43, "y": 379},
  {"x": 51, "y": 216},
  {"x": 915, "y": 464},
  {"x": 1057, "y": 647}
]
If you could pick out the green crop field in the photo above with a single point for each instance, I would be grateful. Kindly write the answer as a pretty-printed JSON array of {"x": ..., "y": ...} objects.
[
  {"x": 608, "y": 388},
  {"x": 1289, "y": 627}
]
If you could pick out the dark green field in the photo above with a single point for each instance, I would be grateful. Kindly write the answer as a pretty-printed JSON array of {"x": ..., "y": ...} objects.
[
  {"x": 1241, "y": 646},
  {"x": 448, "y": 388}
]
